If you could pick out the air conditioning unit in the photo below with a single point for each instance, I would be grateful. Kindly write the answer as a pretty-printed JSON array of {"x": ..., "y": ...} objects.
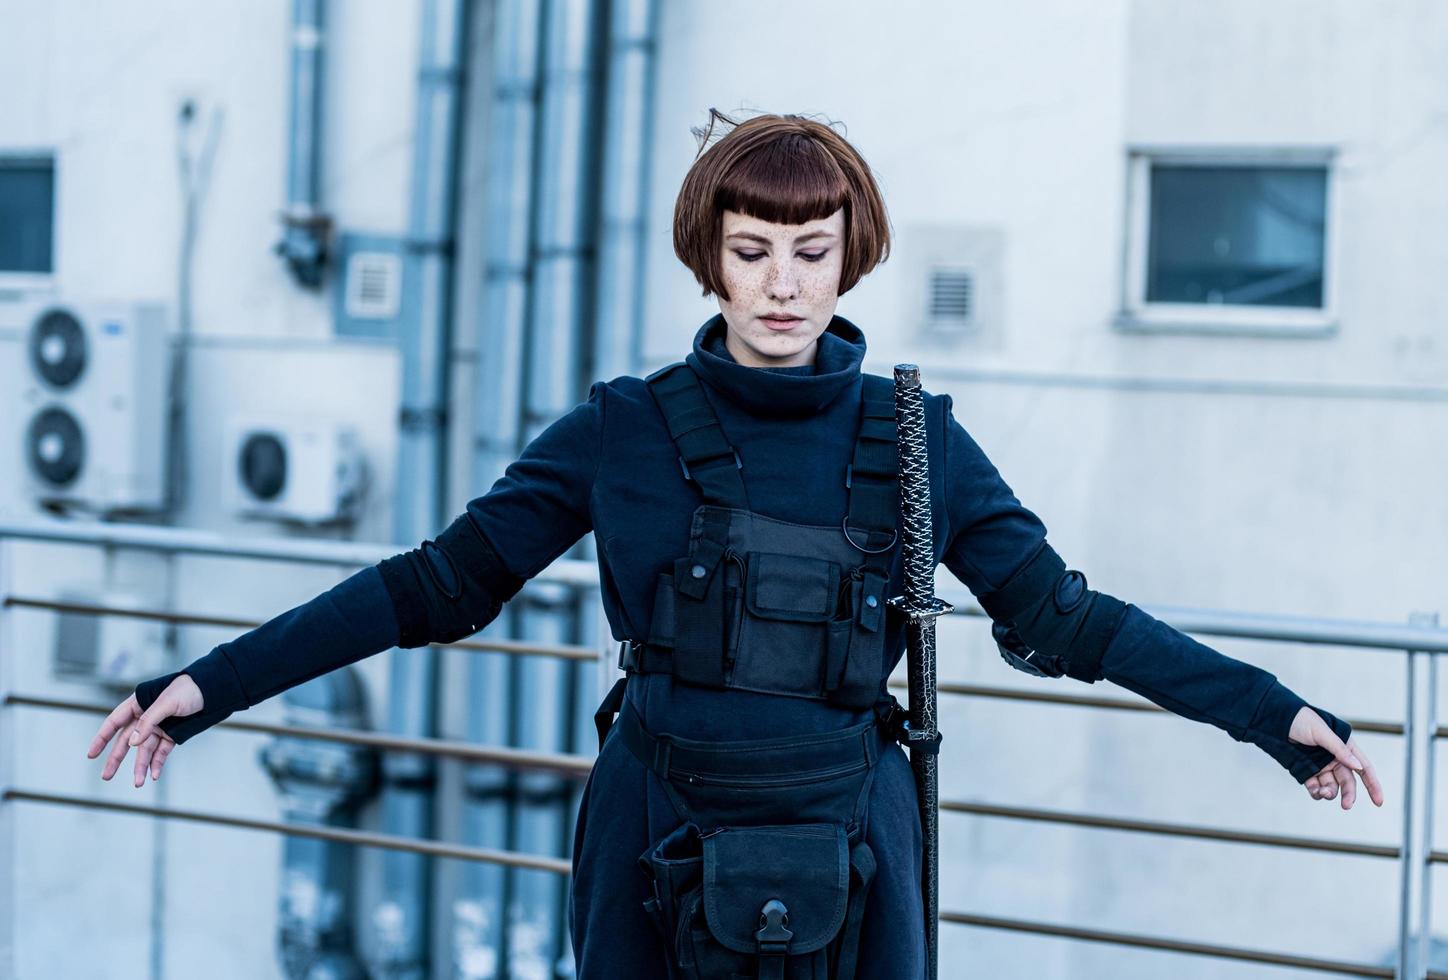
[
  {"x": 94, "y": 397},
  {"x": 292, "y": 469}
]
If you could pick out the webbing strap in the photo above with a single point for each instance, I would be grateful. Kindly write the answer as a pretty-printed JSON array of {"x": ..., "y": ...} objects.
[
  {"x": 708, "y": 458},
  {"x": 873, "y": 477},
  {"x": 705, "y": 454}
]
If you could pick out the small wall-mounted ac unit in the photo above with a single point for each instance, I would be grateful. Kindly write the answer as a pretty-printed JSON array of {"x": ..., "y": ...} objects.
[
  {"x": 293, "y": 469},
  {"x": 94, "y": 396}
]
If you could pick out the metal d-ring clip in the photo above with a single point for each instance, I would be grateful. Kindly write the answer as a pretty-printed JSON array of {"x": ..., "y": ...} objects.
[{"x": 894, "y": 536}]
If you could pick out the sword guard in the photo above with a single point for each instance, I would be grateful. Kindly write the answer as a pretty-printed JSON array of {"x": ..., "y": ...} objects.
[{"x": 937, "y": 607}]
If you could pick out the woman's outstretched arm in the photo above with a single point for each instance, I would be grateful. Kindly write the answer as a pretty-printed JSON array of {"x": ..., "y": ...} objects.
[
  {"x": 998, "y": 549},
  {"x": 446, "y": 589}
]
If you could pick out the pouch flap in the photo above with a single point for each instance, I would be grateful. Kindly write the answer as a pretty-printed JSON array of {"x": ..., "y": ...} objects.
[
  {"x": 792, "y": 587},
  {"x": 872, "y": 598},
  {"x": 804, "y": 866}
]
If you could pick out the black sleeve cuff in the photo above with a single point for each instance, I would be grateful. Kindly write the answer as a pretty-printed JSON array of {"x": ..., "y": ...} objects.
[
  {"x": 221, "y": 695},
  {"x": 1273, "y": 721}
]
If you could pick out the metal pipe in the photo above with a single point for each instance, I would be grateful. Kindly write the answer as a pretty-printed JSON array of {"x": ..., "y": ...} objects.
[
  {"x": 1170, "y": 829},
  {"x": 306, "y": 229},
  {"x": 360, "y": 838},
  {"x": 1109, "y": 704},
  {"x": 1430, "y": 765},
  {"x": 479, "y": 908},
  {"x": 571, "y": 766},
  {"x": 1238, "y": 953},
  {"x": 1255, "y": 626},
  {"x": 402, "y": 917},
  {"x": 558, "y": 366},
  {"x": 512, "y": 647},
  {"x": 9, "y": 899},
  {"x": 1412, "y": 729}
]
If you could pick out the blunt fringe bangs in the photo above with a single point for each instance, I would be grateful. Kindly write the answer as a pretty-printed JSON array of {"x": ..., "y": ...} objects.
[{"x": 783, "y": 168}]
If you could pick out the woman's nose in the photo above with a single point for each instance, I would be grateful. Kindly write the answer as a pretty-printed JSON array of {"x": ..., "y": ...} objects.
[{"x": 782, "y": 284}]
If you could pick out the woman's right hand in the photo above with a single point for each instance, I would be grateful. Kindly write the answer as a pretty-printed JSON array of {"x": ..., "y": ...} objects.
[{"x": 133, "y": 727}]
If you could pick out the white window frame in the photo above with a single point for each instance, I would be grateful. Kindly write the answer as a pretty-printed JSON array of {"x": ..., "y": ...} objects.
[
  {"x": 36, "y": 282},
  {"x": 1139, "y": 316}
]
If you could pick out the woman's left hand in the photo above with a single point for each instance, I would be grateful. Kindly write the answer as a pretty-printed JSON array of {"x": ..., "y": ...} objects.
[{"x": 1308, "y": 728}]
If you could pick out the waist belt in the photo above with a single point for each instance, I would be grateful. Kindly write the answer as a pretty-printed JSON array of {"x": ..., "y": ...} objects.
[{"x": 668, "y": 753}]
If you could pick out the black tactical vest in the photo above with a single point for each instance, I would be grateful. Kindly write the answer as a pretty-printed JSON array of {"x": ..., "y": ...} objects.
[{"x": 760, "y": 604}]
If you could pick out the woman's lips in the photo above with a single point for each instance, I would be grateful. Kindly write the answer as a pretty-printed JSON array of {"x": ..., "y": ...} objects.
[{"x": 781, "y": 324}]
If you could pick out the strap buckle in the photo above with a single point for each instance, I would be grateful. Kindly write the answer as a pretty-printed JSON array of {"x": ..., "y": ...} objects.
[
  {"x": 628, "y": 654},
  {"x": 738, "y": 463}
]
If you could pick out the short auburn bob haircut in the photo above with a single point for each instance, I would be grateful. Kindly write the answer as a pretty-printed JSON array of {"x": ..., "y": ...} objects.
[{"x": 787, "y": 169}]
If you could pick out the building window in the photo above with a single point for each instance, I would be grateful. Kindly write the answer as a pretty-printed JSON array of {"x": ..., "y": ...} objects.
[
  {"x": 1229, "y": 242},
  {"x": 27, "y": 216}
]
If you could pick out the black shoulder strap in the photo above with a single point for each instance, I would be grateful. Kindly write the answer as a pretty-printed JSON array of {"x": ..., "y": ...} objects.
[
  {"x": 873, "y": 476},
  {"x": 705, "y": 454}
]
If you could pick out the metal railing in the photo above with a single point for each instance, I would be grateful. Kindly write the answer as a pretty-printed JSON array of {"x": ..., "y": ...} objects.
[{"x": 1421, "y": 640}]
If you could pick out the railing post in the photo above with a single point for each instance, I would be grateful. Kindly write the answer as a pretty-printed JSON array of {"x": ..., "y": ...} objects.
[
  {"x": 8, "y": 904},
  {"x": 1418, "y": 754},
  {"x": 1430, "y": 756}
]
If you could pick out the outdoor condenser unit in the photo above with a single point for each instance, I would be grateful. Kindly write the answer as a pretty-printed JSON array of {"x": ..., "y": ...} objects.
[
  {"x": 94, "y": 405},
  {"x": 292, "y": 469}
]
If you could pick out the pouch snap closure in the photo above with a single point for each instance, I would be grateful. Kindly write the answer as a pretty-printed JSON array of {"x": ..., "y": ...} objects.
[{"x": 698, "y": 571}]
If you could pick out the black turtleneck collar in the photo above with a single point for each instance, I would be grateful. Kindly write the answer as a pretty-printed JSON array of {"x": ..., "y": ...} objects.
[{"x": 795, "y": 391}]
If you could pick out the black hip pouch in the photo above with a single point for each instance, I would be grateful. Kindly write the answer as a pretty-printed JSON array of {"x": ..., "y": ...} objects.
[{"x": 768, "y": 873}]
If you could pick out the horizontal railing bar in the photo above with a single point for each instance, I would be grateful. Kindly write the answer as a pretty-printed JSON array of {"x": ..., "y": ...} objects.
[
  {"x": 572, "y": 766},
  {"x": 1111, "y": 704},
  {"x": 1276, "y": 627},
  {"x": 1257, "y": 626},
  {"x": 577, "y": 767},
  {"x": 363, "y": 838},
  {"x": 1169, "y": 829},
  {"x": 188, "y": 541},
  {"x": 516, "y": 647},
  {"x": 1342, "y": 967}
]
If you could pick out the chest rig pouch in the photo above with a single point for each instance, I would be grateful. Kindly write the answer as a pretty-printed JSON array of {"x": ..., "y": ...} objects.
[{"x": 760, "y": 604}]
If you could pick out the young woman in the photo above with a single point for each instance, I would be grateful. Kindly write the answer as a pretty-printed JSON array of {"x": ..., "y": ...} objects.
[{"x": 750, "y": 813}]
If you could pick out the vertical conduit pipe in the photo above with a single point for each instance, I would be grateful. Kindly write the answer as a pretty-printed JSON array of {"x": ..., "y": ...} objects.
[
  {"x": 401, "y": 919},
  {"x": 557, "y": 366},
  {"x": 304, "y": 239},
  {"x": 480, "y": 946},
  {"x": 626, "y": 139}
]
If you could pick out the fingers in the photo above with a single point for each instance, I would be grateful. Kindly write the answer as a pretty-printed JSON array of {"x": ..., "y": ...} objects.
[
  {"x": 159, "y": 759},
  {"x": 1368, "y": 775},
  {"x": 1327, "y": 738},
  {"x": 123, "y": 713},
  {"x": 118, "y": 751},
  {"x": 1328, "y": 783},
  {"x": 162, "y": 708},
  {"x": 1349, "y": 789},
  {"x": 144, "y": 751}
]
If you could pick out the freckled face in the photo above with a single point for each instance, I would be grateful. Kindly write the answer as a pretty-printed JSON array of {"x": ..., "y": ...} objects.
[{"x": 772, "y": 270}]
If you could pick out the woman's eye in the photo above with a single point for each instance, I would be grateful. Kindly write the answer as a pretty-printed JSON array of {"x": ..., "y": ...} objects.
[{"x": 807, "y": 256}]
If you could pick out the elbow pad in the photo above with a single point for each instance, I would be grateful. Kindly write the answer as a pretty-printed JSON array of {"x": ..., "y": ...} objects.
[
  {"x": 447, "y": 588},
  {"x": 1047, "y": 622}
]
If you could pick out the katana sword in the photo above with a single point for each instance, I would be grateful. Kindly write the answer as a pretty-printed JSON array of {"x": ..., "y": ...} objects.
[{"x": 920, "y": 607}]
